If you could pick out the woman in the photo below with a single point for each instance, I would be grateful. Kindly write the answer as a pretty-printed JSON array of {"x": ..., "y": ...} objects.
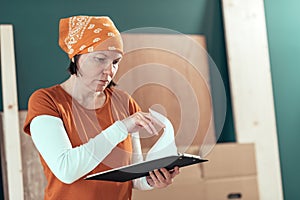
[{"x": 85, "y": 125}]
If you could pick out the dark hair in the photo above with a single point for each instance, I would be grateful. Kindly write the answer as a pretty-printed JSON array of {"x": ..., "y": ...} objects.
[{"x": 72, "y": 69}]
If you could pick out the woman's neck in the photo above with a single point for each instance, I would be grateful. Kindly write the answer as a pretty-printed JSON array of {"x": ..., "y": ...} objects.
[{"x": 83, "y": 95}]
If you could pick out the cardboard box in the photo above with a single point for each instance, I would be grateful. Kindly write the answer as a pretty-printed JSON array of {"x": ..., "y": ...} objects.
[
  {"x": 186, "y": 191},
  {"x": 189, "y": 174},
  {"x": 238, "y": 188},
  {"x": 187, "y": 185},
  {"x": 230, "y": 160}
]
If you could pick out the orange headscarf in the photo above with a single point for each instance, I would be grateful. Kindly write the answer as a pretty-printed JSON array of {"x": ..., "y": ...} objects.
[{"x": 85, "y": 34}]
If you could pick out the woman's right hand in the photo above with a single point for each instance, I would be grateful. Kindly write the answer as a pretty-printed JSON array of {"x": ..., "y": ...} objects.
[{"x": 141, "y": 120}]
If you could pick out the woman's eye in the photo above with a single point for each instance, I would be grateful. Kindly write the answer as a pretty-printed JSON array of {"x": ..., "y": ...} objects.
[
  {"x": 115, "y": 62},
  {"x": 100, "y": 59}
]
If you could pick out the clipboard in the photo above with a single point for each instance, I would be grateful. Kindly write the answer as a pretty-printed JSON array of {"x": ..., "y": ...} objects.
[{"x": 130, "y": 172}]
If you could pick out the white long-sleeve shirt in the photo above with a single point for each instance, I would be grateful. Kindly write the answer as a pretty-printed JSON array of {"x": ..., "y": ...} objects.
[{"x": 69, "y": 164}]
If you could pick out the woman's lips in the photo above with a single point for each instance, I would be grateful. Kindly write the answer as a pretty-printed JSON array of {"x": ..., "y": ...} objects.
[{"x": 103, "y": 82}]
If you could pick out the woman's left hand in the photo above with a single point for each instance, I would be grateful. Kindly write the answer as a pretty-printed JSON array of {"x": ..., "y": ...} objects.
[{"x": 162, "y": 178}]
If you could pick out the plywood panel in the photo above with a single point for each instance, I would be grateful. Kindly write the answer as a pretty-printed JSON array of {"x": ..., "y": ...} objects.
[
  {"x": 165, "y": 77},
  {"x": 33, "y": 174}
]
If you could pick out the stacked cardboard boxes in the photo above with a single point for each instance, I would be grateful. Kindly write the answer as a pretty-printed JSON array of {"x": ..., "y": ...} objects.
[
  {"x": 188, "y": 185},
  {"x": 229, "y": 174}
]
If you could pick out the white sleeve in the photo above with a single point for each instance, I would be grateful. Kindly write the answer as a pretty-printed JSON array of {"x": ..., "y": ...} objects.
[
  {"x": 137, "y": 156},
  {"x": 69, "y": 164}
]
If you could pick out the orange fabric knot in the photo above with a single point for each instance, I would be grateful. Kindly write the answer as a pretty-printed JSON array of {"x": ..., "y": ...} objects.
[{"x": 85, "y": 34}]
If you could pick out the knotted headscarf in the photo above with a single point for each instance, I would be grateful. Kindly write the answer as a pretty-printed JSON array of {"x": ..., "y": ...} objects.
[{"x": 85, "y": 34}]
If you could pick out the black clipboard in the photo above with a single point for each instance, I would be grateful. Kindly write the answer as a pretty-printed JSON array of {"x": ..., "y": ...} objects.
[{"x": 138, "y": 170}]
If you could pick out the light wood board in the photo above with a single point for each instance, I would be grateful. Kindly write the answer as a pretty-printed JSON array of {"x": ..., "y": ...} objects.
[
  {"x": 11, "y": 138},
  {"x": 251, "y": 89}
]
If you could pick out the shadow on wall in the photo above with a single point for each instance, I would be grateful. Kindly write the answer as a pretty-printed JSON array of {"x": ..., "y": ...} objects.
[{"x": 214, "y": 33}]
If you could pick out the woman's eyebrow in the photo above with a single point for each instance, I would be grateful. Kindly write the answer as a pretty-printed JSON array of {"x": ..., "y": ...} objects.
[{"x": 101, "y": 54}]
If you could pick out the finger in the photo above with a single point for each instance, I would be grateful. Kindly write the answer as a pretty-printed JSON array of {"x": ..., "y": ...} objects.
[
  {"x": 159, "y": 176},
  {"x": 150, "y": 181},
  {"x": 175, "y": 172},
  {"x": 145, "y": 126},
  {"x": 166, "y": 173},
  {"x": 154, "y": 130},
  {"x": 154, "y": 178},
  {"x": 153, "y": 120},
  {"x": 143, "y": 115},
  {"x": 156, "y": 121}
]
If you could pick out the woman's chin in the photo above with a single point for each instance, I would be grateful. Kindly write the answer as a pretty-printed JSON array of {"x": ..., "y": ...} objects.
[{"x": 100, "y": 88}]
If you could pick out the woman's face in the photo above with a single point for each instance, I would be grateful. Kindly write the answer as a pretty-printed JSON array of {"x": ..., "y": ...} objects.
[{"x": 97, "y": 69}]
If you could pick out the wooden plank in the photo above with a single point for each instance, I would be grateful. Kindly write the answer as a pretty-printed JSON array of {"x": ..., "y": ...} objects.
[
  {"x": 251, "y": 89},
  {"x": 12, "y": 147},
  {"x": 3, "y": 161}
]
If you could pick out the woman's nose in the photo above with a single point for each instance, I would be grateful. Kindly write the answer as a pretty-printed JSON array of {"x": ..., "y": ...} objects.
[{"x": 108, "y": 69}]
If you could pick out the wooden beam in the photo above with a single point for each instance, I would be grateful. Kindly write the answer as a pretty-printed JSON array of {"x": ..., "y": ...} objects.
[
  {"x": 12, "y": 147},
  {"x": 251, "y": 89}
]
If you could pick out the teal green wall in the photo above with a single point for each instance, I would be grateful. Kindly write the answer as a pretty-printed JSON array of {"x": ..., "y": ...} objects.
[{"x": 283, "y": 24}]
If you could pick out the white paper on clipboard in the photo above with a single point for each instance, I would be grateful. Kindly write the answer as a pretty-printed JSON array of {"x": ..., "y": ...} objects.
[{"x": 165, "y": 145}]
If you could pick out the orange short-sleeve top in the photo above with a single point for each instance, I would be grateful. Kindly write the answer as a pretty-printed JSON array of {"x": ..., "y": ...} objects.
[{"x": 81, "y": 124}]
